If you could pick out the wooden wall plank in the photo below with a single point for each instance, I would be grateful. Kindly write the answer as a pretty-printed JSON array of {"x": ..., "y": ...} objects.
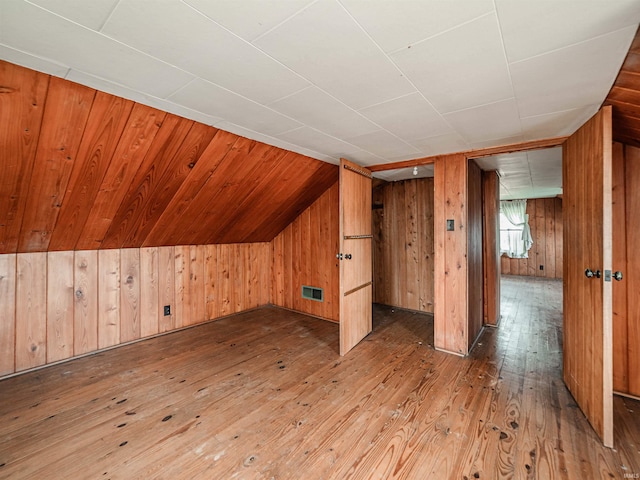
[
  {"x": 130, "y": 327},
  {"x": 211, "y": 281},
  {"x": 619, "y": 238},
  {"x": 31, "y": 310},
  {"x": 60, "y": 303},
  {"x": 85, "y": 310},
  {"x": 439, "y": 259},
  {"x": 108, "y": 298},
  {"x": 197, "y": 305},
  {"x": 7, "y": 313},
  {"x": 545, "y": 221},
  {"x": 166, "y": 286},
  {"x": 149, "y": 291},
  {"x": 317, "y": 268},
  {"x": 475, "y": 278},
  {"x": 182, "y": 271},
  {"x": 22, "y": 103},
  {"x": 102, "y": 133},
  {"x": 164, "y": 147},
  {"x": 65, "y": 117},
  {"x": 491, "y": 244},
  {"x": 140, "y": 131},
  {"x": 403, "y": 241}
]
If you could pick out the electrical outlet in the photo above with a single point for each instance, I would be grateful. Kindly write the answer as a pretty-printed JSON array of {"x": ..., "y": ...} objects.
[
  {"x": 541, "y": 267},
  {"x": 167, "y": 310},
  {"x": 450, "y": 227}
]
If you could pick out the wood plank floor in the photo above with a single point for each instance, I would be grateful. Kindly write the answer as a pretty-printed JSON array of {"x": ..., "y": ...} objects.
[{"x": 264, "y": 394}]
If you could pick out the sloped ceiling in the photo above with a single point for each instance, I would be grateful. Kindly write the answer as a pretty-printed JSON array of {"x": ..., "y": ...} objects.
[
  {"x": 375, "y": 81},
  {"x": 83, "y": 169}
]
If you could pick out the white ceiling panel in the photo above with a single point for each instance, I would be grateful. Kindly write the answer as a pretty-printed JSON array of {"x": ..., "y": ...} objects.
[
  {"x": 571, "y": 77},
  {"x": 450, "y": 142},
  {"x": 395, "y": 25},
  {"x": 461, "y": 68},
  {"x": 557, "y": 123},
  {"x": 213, "y": 100},
  {"x": 318, "y": 141},
  {"x": 32, "y": 61},
  {"x": 319, "y": 110},
  {"x": 410, "y": 117},
  {"x": 494, "y": 121},
  {"x": 181, "y": 36},
  {"x": 312, "y": 43},
  {"x": 33, "y": 30},
  {"x": 497, "y": 141},
  {"x": 249, "y": 18},
  {"x": 423, "y": 171},
  {"x": 532, "y": 28},
  {"x": 91, "y": 14},
  {"x": 384, "y": 144}
]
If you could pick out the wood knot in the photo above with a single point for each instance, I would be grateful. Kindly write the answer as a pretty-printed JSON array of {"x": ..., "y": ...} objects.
[
  {"x": 79, "y": 294},
  {"x": 129, "y": 280}
]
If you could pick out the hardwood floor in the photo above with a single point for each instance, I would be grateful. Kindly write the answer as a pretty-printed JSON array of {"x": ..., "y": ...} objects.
[{"x": 264, "y": 394}]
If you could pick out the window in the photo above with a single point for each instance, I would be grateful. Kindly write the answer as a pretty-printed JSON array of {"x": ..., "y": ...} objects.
[{"x": 515, "y": 236}]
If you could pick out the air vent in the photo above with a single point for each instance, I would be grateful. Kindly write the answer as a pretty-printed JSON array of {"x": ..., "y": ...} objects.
[{"x": 313, "y": 293}]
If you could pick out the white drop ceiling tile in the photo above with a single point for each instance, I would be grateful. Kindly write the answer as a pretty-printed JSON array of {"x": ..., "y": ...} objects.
[
  {"x": 424, "y": 171},
  {"x": 497, "y": 142},
  {"x": 461, "y": 68},
  {"x": 395, "y": 25},
  {"x": 33, "y": 30},
  {"x": 92, "y": 14},
  {"x": 572, "y": 77},
  {"x": 326, "y": 46},
  {"x": 248, "y": 18},
  {"x": 183, "y": 37},
  {"x": 383, "y": 144},
  {"x": 213, "y": 100},
  {"x": 535, "y": 27},
  {"x": 487, "y": 122},
  {"x": 318, "y": 141},
  {"x": 557, "y": 123},
  {"x": 447, "y": 143},
  {"x": 410, "y": 117},
  {"x": 545, "y": 155},
  {"x": 317, "y": 109},
  {"x": 32, "y": 61}
]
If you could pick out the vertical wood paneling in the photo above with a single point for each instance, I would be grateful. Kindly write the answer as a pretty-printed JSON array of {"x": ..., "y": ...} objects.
[
  {"x": 85, "y": 310},
  {"x": 491, "y": 247},
  {"x": 65, "y": 117},
  {"x": 182, "y": 290},
  {"x": 545, "y": 221},
  {"x": 304, "y": 253},
  {"x": 130, "y": 294},
  {"x": 60, "y": 302},
  {"x": 106, "y": 122},
  {"x": 475, "y": 279},
  {"x": 451, "y": 268},
  {"x": 211, "y": 281},
  {"x": 108, "y": 298},
  {"x": 22, "y": 104},
  {"x": 197, "y": 304},
  {"x": 7, "y": 313},
  {"x": 166, "y": 286},
  {"x": 149, "y": 291},
  {"x": 403, "y": 244},
  {"x": 31, "y": 310}
]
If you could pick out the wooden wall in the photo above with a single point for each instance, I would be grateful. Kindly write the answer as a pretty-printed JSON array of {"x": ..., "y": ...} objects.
[
  {"x": 491, "y": 246},
  {"x": 626, "y": 245},
  {"x": 58, "y": 305},
  {"x": 403, "y": 244},
  {"x": 304, "y": 253},
  {"x": 545, "y": 221},
  {"x": 456, "y": 285},
  {"x": 84, "y": 170}
]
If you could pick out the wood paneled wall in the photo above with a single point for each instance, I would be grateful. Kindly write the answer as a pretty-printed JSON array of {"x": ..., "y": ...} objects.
[
  {"x": 545, "y": 221},
  {"x": 491, "y": 246},
  {"x": 403, "y": 244},
  {"x": 626, "y": 245},
  {"x": 456, "y": 285},
  {"x": 58, "y": 305},
  {"x": 83, "y": 170},
  {"x": 304, "y": 253}
]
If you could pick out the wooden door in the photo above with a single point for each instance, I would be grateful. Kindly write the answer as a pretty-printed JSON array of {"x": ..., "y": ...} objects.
[
  {"x": 587, "y": 324},
  {"x": 355, "y": 250}
]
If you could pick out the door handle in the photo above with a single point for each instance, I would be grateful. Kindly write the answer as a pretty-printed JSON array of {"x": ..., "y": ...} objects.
[
  {"x": 348, "y": 256},
  {"x": 591, "y": 273},
  {"x": 339, "y": 256},
  {"x": 617, "y": 275}
]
